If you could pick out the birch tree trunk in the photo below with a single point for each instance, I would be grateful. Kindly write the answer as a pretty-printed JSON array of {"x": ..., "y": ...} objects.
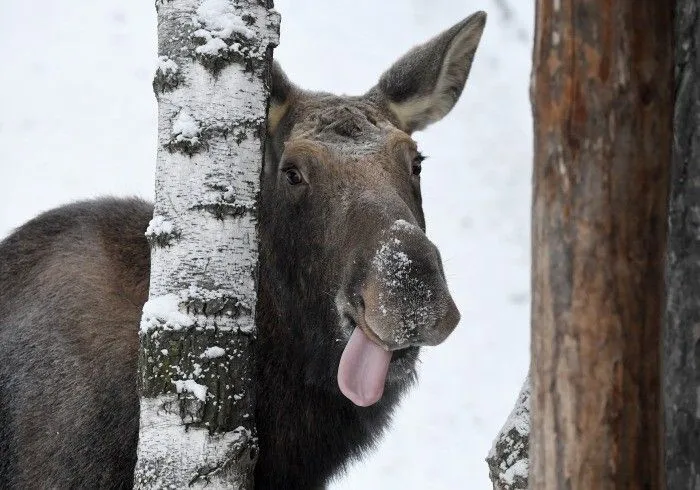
[
  {"x": 509, "y": 458},
  {"x": 602, "y": 102},
  {"x": 682, "y": 334},
  {"x": 198, "y": 326}
]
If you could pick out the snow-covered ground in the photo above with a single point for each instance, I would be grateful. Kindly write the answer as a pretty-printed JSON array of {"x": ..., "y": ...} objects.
[{"x": 78, "y": 119}]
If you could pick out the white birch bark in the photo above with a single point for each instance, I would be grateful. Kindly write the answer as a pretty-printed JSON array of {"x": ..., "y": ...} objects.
[
  {"x": 508, "y": 459},
  {"x": 195, "y": 366}
]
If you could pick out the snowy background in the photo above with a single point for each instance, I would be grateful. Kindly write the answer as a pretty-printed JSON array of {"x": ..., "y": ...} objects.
[{"x": 78, "y": 119}]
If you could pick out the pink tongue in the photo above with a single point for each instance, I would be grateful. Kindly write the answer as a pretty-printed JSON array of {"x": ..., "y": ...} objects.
[{"x": 362, "y": 370}]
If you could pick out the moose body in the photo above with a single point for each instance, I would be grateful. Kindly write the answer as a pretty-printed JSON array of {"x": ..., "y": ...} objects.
[{"x": 349, "y": 289}]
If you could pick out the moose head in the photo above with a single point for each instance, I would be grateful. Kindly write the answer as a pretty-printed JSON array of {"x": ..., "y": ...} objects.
[{"x": 342, "y": 219}]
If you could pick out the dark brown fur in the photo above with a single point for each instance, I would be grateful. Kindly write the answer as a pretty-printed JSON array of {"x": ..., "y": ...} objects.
[{"x": 73, "y": 282}]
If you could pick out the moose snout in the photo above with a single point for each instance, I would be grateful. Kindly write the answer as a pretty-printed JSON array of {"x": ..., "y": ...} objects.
[
  {"x": 405, "y": 296},
  {"x": 444, "y": 324}
]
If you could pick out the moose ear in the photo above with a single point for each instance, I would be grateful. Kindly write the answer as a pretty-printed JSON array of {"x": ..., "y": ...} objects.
[
  {"x": 424, "y": 85},
  {"x": 281, "y": 90}
]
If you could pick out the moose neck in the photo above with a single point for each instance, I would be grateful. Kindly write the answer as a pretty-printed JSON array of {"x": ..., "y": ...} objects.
[{"x": 311, "y": 416}]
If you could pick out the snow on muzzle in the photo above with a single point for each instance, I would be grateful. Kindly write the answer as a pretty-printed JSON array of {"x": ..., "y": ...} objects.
[{"x": 405, "y": 303}]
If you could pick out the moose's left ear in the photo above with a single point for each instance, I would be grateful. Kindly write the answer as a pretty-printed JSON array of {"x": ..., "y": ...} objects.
[
  {"x": 281, "y": 92},
  {"x": 424, "y": 85}
]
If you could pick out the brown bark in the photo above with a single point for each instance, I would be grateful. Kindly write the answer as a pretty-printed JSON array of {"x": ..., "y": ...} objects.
[{"x": 602, "y": 100}]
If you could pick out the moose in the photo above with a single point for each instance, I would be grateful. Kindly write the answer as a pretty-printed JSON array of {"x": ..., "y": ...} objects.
[{"x": 349, "y": 290}]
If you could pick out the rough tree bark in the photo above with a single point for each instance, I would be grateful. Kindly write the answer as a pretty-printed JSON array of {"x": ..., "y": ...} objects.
[
  {"x": 197, "y": 330},
  {"x": 509, "y": 458},
  {"x": 682, "y": 334},
  {"x": 602, "y": 98}
]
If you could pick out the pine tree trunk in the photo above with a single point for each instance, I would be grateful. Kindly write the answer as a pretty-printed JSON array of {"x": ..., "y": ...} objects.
[
  {"x": 602, "y": 99},
  {"x": 198, "y": 326},
  {"x": 682, "y": 334}
]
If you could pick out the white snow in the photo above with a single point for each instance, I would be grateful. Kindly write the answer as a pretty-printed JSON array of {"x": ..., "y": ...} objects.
[
  {"x": 518, "y": 469},
  {"x": 185, "y": 128},
  {"x": 159, "y": 226},
  {"x": 213, "y": 352},
  {"x": 212, "y": 45},
  {"x": 167, "y": 66},
  {"x": 164, "y": 311},
  {"x": 219, "y": 18},
  {"x": 402, "y": 224},
  {"x": 199, "y": 391},
  {"x": 229, "y": 194},
  {"x": 392, "y": 261},
  {"x": 197, "y": 370},
  {"x": 74, "y": 126}
]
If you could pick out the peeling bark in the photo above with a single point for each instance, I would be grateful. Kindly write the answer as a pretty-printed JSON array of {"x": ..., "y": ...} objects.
[{"x": 198, "y": 327}]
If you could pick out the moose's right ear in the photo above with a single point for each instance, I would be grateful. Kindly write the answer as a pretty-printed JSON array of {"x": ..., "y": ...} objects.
[{"x": 280, "y": 95}]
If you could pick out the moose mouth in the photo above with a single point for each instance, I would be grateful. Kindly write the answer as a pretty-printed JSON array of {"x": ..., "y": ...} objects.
[
  {"x": 397, "y": 301},
  {"x": 364, "y": 365},
  {"x": 367, "y": 330}
]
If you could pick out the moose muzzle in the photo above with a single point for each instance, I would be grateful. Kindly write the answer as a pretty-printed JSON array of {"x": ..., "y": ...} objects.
[{"x": 404, "y": 302}]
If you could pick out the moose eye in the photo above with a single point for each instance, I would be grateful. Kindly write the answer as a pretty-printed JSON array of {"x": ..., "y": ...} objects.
[
  {"x": 416, "y": 166},
  {"x": 293, "y": 176}
]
